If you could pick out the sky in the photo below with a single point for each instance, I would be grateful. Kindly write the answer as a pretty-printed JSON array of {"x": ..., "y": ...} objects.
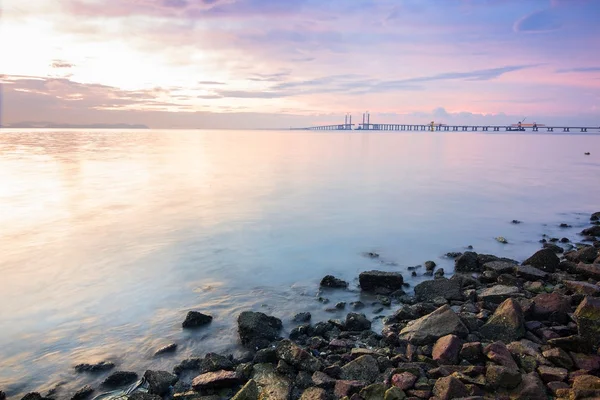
[{"x": 283, "y": 63}]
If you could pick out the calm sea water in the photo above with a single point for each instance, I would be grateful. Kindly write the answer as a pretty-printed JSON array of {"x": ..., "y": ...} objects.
[{"x": 108, "y": 238}]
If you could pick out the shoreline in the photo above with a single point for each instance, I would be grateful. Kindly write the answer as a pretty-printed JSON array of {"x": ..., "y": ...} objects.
[{"x": 536, "y": 308}]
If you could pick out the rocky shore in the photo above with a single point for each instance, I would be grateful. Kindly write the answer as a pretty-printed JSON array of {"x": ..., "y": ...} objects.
[{"x": 497, "y": 329}]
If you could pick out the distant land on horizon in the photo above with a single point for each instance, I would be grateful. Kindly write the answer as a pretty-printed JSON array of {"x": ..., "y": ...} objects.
[{"x": 51, "y": 125}]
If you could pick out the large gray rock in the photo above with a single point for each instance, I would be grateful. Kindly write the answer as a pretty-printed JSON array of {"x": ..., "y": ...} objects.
[
  {"x": 160, "y": 382},
  {"x": 467, "y": 262},
  {"x": 297, "y": 357},
  {"x": 380, "y": 281},
  {"x": 257, "y": 329},
  {"x": 587, "y": 255},
  {"x": 500, "y": 267},
  {"x": 530, "y": 273},
  {"x": 498, "y": 293},
  {"x": 431, "y": 327},
  {"x": 544, "y": 259},
  {"x": 364, "y": 368},
  {"x": 507, "y": 324},
  {"x": 441, "y": 287}
]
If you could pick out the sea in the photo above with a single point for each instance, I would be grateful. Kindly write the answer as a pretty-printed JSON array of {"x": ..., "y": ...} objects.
[{"x": 109, "y": 237}]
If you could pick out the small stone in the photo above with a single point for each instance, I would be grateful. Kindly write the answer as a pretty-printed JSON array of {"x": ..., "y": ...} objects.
[
  {"x": 447, "y": 288},
  {"x": 554, "y": 386},
  {"x": 218, "y": 379},
  {"x": 559, "y": 357},
  {"x": 120, "y": 378},
  {"x": 498, "y": 293},
  {"x": 439, "y": 272},
  {"x": 195, "y": 319},
  {"x": 341, "y": 305},
  {"x": 501, "y": 239},
  {"x": 404, "y": 380},
  {"x": 586, "y": 382},
  {"x": 302, "y": 317},
  {"x": 298, "y": 357},
  {"x": 170, "y": 348},
  {"x": 498, "y": 376},
  {"x": 257, "y": 329},
  {"x": 449, "y": 388},
  {"x": 384, "y": 300},
  {"x": 593, "y": 231},
  {"x": 380, "y": 281},
  {"x": 591, "y": 271},
  {"x": 322, "y": 380},
  {"x": 357, "y": 305},
  {"x": 446, "y": 349},
  {"x": 331, "y": 281},
  {"x": 500, "y": 267},
  {"x": 499, "y": 353},
  {"x": 430, "y": 265},
  {"x": 551, "y": 374},
  {"x": 98, "y": 367},
  {"x": 441, "y": 322}
]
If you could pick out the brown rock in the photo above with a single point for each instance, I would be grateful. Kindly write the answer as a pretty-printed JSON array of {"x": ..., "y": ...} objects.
[
  {"x": 498, "y": 376},
  {"x": 314, "y": 393},
  {"x": 551, "y": 374},
  {"x": 507, "y": 323},
  {"x": 585, "y": 288},
  {"x": 586, "y": 254},
  {"x": 421, "y": 394},
  {"x": 347, "y": 388},
  {"x": 217, "y": 379},
  {"x": 294, "y": 355},
  {"x": 322, "y": 380},
  {"x": 446, "y": 349},
  {"x": 588, "y": 270},
  {"x": 498, "y": 353},
  {"x": 404, "y": 380},
  {"x": 559, "y": 357},
  {"x": 586, "y": 362},
  {"x": 587, "y": 316},
  {"x": 586, "y": 382},
  {"x": 551, "y": 306},
  {"x": 554, "y": 386},
  {"x": 449, "y": 388},
  {"x": 531, "y": 388}
]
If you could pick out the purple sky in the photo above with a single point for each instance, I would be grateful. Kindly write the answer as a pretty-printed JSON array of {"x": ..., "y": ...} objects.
[{"x": 281, "y": 63}]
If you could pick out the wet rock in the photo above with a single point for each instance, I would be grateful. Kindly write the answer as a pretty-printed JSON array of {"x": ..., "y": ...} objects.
[
  {"x": 160, "y": 382},
  {"x": 357, "y": 322},
  {"x": 544, "y": 259},
  {"x": 500, "y": 267},
  {"x": 265, "y": 356},
  {"x": 531, "y": 388},
  {"x": 331, "y": 281},
  {"x": 248, "y": 392},
  {"x": 588, "y": 270},
  {"x": 298, "y": 357},
  {"x": 498, "y": 376},
  {"x": 145, "y": 396},
  {"x": 404, "y": 380},
  {"x": 314, "y": 393},
  {"x": 593, "y": 231},
  {"x": 453, "y": 254},
  {"x": 449, "y": 289},
  {"x": 498, "y": 293},
  {"x": 120, "y": 378},
  {"x": 347, "y": 388},
  {"x": 380, "y": 281},
  {"x": 552, "y": 374},
  {"x": 215, "y": 380},
  {"x": 187, "y": 365},
  {"x": 81, "y": 394},
  {"x": 449, "y": 388},
  {"x": 170, "y": 348},
  {"x": 195, "y": 319},
  {"x": 515, "y": 221},
  {"x": 430, "y": 265},
  {"x": 555, "y": 248},
  {"x": 364, "y": 368},
  {"x": 506, "y": 324},
  {"x": 559, "y": 357},
  {"x": 584, "y": 288},
  {"x": 427, "y": 329},
  {"x": 215, "y": 362},
  {"x": 467, "y": 262},
  {"x": 98, "y": 367},
  {"x": 587, "y": 316},
  {"x": 552, "y": 307},
  {"x": 446, "y": 349},
  {"x": 439, "y": 273},
  {"x": 530, "y": 273},
  {"x": 471, "y": 352},
  {"x": 586, "y": 382},
  {"x": 258, "y": 329},
  {"x": 595, "y": 216},
  {"x": 501, "y": 239},
  {"x": 587, "y": 255},
  {"x": 302, "y": 317},
  {"x": 499, "y": 353},
  {"x": 357, "y": 305}
]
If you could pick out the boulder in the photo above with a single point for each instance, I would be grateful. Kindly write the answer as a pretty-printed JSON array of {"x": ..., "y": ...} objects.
[
  {"x": 498, "y": 376},
  {"x": 531, "y": 388},
  {"x": 97, "y": 367},
  {"x": 195, "y": 319},
  {"x": 552, "y": 374},
  {"x": 551, "y": 307},
  {"x": 500, "y": 267},
  {"x": 81, "y": 394},
  {"x": 587, "y": 316},
  {"x": 248, "y": 392},
  {"x": 427, "y": 329},
  {"x": 216, "y": 380},
  {"x": 364, "y": 369},
  {"x": 584, "y": 288},
  {"x": 302, "y": 317},
  {"x": 467, "y": 262},
  {"x": 404, "y": 380},
  {"x": 271, "y": 385},
  {"x": 586, "y": 254},
  {"x": 530, "y": 273},
  {"x": 170, "y": 348},
  {"x": 160, "y": 382},
  {"x": 446, "y": 349},
  {"x": 314, "y": 393},
  {"x": 120, "y": 378},
  {"x": 559, "y": 357},
  {"x": 297, "y": 357},
  {"x": 506, "y": 324},
  {"x": 591, "y": 271},
  {"x": 357, "y": 322},
  {"x": 593, "y": 231},
  {"x": 544, "y": 259},
  {"x": 499, "y": 353},
  {"x": 446, "y": 288},
  {"x": 449, "y": 388},
  {"x": 498, "y": 293},
  {"x": 331, "y": 281},
  {"x": 380, "y": 281},
  {"x": 257, "y": 329}
]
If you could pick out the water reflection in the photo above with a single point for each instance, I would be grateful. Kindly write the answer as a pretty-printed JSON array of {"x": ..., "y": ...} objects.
[{"x": 109, "y": 238}]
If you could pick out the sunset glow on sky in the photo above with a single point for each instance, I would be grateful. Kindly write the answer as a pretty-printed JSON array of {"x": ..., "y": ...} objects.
[{"x": 276, "y": 63}]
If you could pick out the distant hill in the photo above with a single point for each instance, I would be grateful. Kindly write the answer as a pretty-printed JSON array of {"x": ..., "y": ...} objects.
[{"x": 51, "y": 125}]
